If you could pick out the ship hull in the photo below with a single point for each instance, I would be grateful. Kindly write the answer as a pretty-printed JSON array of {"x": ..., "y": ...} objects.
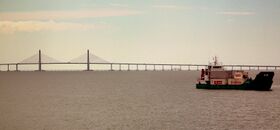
[
  {"x": 209, "y": 86},
  {"x": 262, "y": 82}
]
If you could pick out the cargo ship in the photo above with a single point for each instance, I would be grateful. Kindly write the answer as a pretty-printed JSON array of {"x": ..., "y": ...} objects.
[{"x": 214, "y": 76}]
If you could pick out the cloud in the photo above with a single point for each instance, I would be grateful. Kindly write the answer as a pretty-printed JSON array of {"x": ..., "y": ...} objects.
[
  {"x": 236, "y": 13},
  {"x": 118, "y": 5},
  {"x": 62, "y": 15},
  {"x": 171, "y": 7},
  {"x": 34, "y": 26}
]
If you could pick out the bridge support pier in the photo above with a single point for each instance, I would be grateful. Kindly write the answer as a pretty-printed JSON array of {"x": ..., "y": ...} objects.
[
  {"x": 88, "y": 62},
  {"x": 146, "y": 67},
  {"x": 40, "y": 61},
  {"x": 16, "y": 67}
]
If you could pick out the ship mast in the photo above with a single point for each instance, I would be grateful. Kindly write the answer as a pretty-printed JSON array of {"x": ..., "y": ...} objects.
[{"x": 215, "y": 61}]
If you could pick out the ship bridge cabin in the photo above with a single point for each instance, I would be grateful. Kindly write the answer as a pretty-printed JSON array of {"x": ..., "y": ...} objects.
[
  {"x": 215, "y": 74},
  {"x": 215, "y": 68}
]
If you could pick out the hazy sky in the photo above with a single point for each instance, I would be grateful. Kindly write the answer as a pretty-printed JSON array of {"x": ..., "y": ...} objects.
[{"x": 154, "y": 31}]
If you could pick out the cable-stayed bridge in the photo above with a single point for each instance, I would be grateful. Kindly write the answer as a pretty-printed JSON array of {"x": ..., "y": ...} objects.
[
  {"x": 35, "y": 59},
  {"x": 92, "y": 59},
  {"x": 89, "y": 62}
]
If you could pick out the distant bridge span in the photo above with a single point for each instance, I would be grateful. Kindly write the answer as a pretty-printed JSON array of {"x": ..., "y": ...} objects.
[
  {"x": 90, "y": 64},
  {"x": 136, "y": 66}
]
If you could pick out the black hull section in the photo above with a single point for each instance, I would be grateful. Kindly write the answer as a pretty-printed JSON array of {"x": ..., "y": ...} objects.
[{"x": 262, "y": 82}]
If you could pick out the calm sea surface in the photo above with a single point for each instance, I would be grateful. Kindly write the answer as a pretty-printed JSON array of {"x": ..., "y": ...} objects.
[{"x": 130, "y": 101}]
